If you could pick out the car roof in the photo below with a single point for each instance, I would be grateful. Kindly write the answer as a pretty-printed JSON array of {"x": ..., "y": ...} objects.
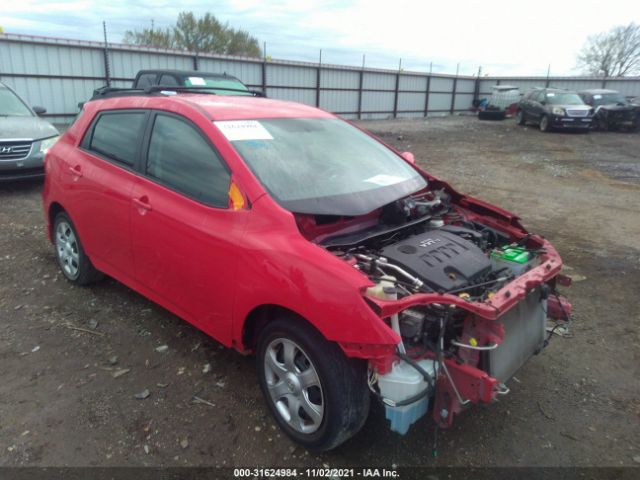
[
  {"x": 598, "y": 91},
  {"x": 218, "y": 107}
]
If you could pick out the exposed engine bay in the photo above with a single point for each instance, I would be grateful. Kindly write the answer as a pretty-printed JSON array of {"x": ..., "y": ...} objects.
[
  {"x": 427, "y": 246},
  {"x": 422, "y": 244}
]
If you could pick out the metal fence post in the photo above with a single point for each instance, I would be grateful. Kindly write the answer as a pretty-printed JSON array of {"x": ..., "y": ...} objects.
[
  {"x": 318, "y": 80},
  {"x": 361, "y": 83},
  {"x": 395, "y": 96},
  {"x": 426, "y": 97},
  {"x": 453, "y": 95},
  {"x": 604, "y": 82},
  {"x": 476, "y": 87},
  {"x": 195, "y": 61},
  {"x": 264, "y": 70},
  {"x": 105, "y": 52}
]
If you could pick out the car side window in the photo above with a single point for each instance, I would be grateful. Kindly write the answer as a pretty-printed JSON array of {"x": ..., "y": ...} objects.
[
  {"x": 146, "y": 80},
  {"x": 169, "y": 80},
  {"x": 180, "y": 158},
  {"x": 116, "y": 135},
  {"x": 541, "y": 96}
]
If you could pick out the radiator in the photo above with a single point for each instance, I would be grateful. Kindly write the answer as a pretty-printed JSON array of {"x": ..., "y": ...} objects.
[{"x": 524, "y": 336}]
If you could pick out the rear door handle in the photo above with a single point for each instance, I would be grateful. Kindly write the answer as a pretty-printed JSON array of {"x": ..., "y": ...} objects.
[
  {"x": 143, "y": 204},
  {"x": 76, "y": 171}
]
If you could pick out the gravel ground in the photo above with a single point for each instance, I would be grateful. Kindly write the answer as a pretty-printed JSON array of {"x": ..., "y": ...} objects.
[{"x": 74, "y": 359}]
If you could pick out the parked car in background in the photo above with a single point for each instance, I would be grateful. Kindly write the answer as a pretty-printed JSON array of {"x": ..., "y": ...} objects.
[
  {"x": 282, "y": 230},
  {"x": 553, "y": 108},
  {"x": 503, "y": 102},
  {"x": 24, "y": 137},
  {"x": 223, "y": 83},
  {"x": 612, "y": 111}
]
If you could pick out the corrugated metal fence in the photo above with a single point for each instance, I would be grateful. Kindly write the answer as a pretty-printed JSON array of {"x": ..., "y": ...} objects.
[{"x": 59, "y": 73}]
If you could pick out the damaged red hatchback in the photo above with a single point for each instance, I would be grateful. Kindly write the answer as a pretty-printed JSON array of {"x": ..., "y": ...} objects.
[{"x": 284, "y": 231}]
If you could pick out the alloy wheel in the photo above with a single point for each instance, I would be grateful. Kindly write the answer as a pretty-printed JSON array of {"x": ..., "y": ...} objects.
[
  {"x": 294, "y": 385},
  {"x": 67, "y": 249}
]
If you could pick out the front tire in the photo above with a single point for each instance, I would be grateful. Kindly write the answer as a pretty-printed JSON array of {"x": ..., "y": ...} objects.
[
  {"x": 520, "y": 117},
  {"x": 318, "y": 396},
  {"x": 544, "y": 124},
  {"x": 74, "y": 263}
]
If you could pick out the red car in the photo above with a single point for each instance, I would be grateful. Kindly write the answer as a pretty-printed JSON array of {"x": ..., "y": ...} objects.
[{"x": 281, "y": 230}]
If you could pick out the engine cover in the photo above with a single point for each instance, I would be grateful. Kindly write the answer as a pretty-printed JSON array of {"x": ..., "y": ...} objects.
[{"x": 442, "y": 260}]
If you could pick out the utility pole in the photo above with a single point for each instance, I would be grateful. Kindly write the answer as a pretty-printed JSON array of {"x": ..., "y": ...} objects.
[
  {"x": 548, "y": 75},
  {"x": 107, "y": 70}
]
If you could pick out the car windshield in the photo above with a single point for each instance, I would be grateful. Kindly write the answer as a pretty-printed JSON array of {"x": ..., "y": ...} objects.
[
  {"x": 11, "y": 105},
  {"x": 321, "y": 165},
  {"x": 220, "y": 82},
  {"x": 564, "y": 98},
  {"x": 608, "y": 99}
]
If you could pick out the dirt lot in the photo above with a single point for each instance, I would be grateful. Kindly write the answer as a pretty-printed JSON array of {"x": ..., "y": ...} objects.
[{"x": 578, "y": 403}]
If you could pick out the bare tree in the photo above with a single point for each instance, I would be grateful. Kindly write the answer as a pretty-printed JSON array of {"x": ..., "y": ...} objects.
[{"x": 615, "y": 53}]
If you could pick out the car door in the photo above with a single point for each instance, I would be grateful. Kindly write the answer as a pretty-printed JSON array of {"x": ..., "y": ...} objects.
[
  {"x": 185, "y": 238},
  {"x": 537, "y": 105},
  {"x": 525, "y": 105},
  {"x": 99, "y": 179}
]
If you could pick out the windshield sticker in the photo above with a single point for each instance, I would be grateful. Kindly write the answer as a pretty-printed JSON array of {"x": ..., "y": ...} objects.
[
  {"x": 597, "y": 97},
  {"x": 197, "y": 81},
  {"x": 551, "y": 94},
  {"x": 236, "y": 130},
  {"x": 384, "y": 180}
]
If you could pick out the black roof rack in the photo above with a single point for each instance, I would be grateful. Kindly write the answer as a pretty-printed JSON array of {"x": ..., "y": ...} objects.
[{"x": 109, "y": 92}]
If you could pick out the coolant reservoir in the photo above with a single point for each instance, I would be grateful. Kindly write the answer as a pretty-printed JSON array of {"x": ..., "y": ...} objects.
[
  {"x": 386, "y": 289},
  {"x": 401, "y": 383},
  {"x": 383, "y": 287}
]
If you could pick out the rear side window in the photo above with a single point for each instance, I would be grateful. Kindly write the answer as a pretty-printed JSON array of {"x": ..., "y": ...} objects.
[
  {"x": 146, "y": 80},
  {"x": 180, "y": 158},
  {"x": 117, "y": 135},
  {"x": 169, "y": 80}
]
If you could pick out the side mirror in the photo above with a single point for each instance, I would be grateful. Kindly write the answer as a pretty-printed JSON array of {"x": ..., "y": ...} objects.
[
  {"x": 543, "y": 102},
  {"x": 39, "y": 110},
  {"x": 408, "y": 156}
]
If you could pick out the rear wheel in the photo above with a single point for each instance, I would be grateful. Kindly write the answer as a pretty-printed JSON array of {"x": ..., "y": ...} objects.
[
  {"x": 318, "y": 396},
  {"x": 520, "y": 117},
  {"x": 74, "y": 263},
  {"x": 544, "y": 124}
]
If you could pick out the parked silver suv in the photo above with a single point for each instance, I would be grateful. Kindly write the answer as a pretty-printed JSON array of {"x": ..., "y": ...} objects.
[{"x": 24, "y": 137}]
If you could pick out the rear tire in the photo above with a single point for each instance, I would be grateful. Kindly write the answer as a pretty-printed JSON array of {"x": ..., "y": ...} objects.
[
  {"x": 520, "y": 117},
  {"x": 74, "y": 263},
  {"x": 544, "y": 124},
  {"x": 317, "y": 395}
]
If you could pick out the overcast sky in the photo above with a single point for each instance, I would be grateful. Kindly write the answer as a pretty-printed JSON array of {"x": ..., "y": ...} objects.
[{"x": 506, "y": 37}]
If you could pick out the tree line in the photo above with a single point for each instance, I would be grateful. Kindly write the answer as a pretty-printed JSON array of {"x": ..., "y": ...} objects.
[{"x": 205, "y": 34}]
